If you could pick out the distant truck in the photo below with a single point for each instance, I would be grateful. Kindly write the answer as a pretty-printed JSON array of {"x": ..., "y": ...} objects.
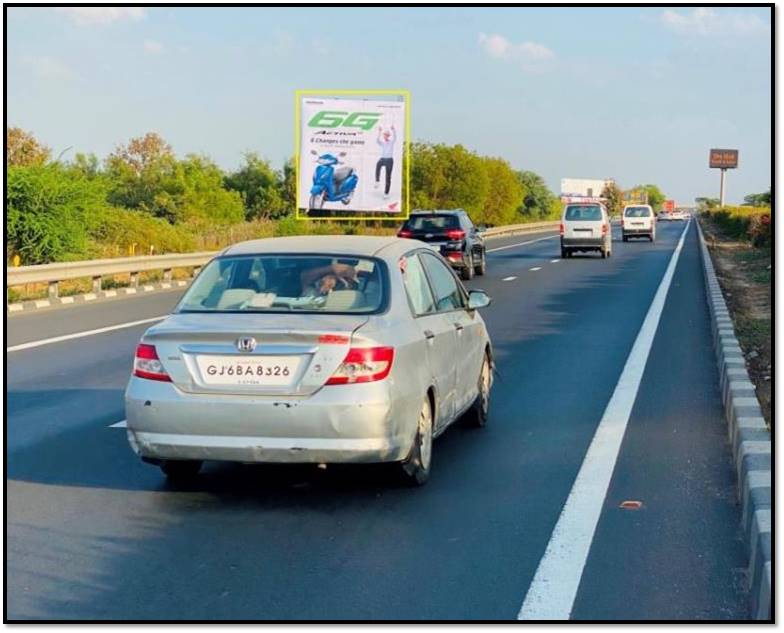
[{"x": 668, "y": 206}]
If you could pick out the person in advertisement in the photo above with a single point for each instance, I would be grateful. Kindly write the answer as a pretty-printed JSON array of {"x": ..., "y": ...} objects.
[{"x": 386, "y": 140}]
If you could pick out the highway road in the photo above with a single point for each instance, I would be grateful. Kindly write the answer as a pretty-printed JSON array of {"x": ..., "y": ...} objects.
[{"x": 93, "y": 533}]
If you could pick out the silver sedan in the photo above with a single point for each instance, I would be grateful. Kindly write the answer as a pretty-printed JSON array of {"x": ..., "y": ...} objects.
[{"x": 312, "y": 349}]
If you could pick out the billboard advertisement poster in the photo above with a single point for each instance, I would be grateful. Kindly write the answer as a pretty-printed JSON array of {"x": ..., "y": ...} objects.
[{"x": 350, "y": 150}]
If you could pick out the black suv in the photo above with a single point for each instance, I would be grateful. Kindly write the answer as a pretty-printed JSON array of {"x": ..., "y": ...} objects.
[{"x": 452, "y": 234}]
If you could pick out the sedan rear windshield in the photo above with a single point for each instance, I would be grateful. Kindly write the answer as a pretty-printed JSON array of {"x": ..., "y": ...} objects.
[
  {"x": 583, "y": 212},
  {"x": 637, "y": 212},
  {"x": 433, "y": 222},
  {"x": 287, "y": 283}
]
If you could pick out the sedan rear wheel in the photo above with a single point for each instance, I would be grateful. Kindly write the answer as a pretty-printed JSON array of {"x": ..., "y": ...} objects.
[{"x": 416, "y": 467}]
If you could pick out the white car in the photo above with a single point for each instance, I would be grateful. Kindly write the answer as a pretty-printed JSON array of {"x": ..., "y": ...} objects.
[
  {"x": 638, "y": 221},
  {"x": 586, "y": 227},
  {"x": 678, "y": 215}
]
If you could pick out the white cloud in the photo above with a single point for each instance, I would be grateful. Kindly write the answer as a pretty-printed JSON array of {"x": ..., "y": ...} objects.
[
  {"x": 152, "y": 47},
  {"x": 530, "y": 55},
  {"x": 705, "y": 21},
  {"x": 50, "y": 68},
  {"x": 87, "y": 16}
]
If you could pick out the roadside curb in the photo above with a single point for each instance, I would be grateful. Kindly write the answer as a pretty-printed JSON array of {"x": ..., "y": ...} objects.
[
  {"x": 89, "y": 297},
  {"x": 749, "y": 438}
]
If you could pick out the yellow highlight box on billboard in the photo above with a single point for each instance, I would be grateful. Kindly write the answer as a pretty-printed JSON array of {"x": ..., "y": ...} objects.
[{"x": 352, "y": 160}]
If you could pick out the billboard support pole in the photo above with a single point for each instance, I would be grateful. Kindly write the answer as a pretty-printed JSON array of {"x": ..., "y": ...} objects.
[{"x": 721, "y": 188}]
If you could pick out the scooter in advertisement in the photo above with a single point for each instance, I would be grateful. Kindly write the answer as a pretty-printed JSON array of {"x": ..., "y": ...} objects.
[{"x": 331, "y": 183}]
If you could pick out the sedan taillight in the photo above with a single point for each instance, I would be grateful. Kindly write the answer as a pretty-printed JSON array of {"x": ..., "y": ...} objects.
[
  {"x": 148, "y": 365},
  {"x": 604, "y": 229},
  {"x": 363, "y": 364}
]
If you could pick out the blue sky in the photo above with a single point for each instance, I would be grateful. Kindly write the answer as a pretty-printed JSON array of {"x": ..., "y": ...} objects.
[{"x": 636, "y": 94}]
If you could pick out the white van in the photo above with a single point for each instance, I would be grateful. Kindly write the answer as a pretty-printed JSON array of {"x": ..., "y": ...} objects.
[
  {"x": 586, "y": 227},
  {"x": 638, "y": 221}
]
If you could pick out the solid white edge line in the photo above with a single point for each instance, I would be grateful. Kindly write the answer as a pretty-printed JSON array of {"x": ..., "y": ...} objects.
[
  {"x": 541, "y": 239},
  {"x": 122, "y": 424},
  {"x": 68, "y": 337},
  {"x": 553, "y": 590}
]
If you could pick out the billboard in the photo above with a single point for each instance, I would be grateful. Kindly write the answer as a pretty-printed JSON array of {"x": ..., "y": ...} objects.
[
  {"x": 724, "y": 158},
  {"x": 668, "y": 206},
  {"x": 350, "y": 154}
]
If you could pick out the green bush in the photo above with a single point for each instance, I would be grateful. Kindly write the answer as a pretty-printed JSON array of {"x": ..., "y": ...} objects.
[
  {"x": 114, "y": 231},
  {"x": 745, "y": 223},
  {"x": 48, "y": 212}
]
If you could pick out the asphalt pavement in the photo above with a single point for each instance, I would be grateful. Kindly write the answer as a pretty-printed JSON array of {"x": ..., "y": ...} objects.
[{"x": 93, "y": 533}]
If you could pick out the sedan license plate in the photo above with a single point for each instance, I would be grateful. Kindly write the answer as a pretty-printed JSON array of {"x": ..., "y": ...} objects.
[
  {"x": 261, "y": 371},
  {"x": 436, "y": 246}
]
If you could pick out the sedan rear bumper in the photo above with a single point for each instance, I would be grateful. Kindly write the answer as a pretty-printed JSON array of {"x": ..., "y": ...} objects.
[{"x": 342, "y": 423}]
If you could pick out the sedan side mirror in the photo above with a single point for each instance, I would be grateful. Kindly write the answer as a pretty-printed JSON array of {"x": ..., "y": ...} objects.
[{"x": 478, "y": 299}]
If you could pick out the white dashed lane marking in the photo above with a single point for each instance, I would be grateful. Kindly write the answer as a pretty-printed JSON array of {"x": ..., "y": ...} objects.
[
  {"x": 554, "y": 261},
  {"x": 535, "y": 268},
  {"x": 122, "y": 424},
  {"x": 512, "y": 278}
]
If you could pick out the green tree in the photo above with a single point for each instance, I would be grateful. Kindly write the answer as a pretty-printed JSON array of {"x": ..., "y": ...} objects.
[
  {"x": 23, "y": 150},
  {"x": 757, "y": 199},
  {"x": 447, "y": 177},
  {"x": 260, "y": 187},
  {"x": 655, "y": 196},
  {"x": 505, "y": 191},
  {"x": 140, "y": 171},
  {"x": 614, "y": 197},
  {"x": 288, "y": 186},
  {"x": 538, "y": 201}
]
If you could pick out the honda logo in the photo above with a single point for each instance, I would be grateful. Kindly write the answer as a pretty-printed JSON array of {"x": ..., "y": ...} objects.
[{"x": 246, "y": 344}]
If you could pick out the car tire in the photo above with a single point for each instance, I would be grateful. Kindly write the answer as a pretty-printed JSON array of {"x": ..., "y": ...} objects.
[
  {"x": 415, "y": 469},
  {"x": 467, "y": 274},
  {"x": 181, "y": 469},
  {"x": 481, "y": 268},
  {"x": 603, "y": 252},
  {"x": 477, "y": 415}
]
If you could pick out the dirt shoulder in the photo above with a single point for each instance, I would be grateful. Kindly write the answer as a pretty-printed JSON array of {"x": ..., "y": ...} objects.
[{"x": 744, "y": 273}]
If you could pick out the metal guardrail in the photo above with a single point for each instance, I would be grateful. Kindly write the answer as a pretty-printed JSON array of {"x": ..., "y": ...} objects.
[
  {"x": 53, "y": 274},
  {"x": 96, "y": 269},
  {"x": 516, "y": 229}
]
